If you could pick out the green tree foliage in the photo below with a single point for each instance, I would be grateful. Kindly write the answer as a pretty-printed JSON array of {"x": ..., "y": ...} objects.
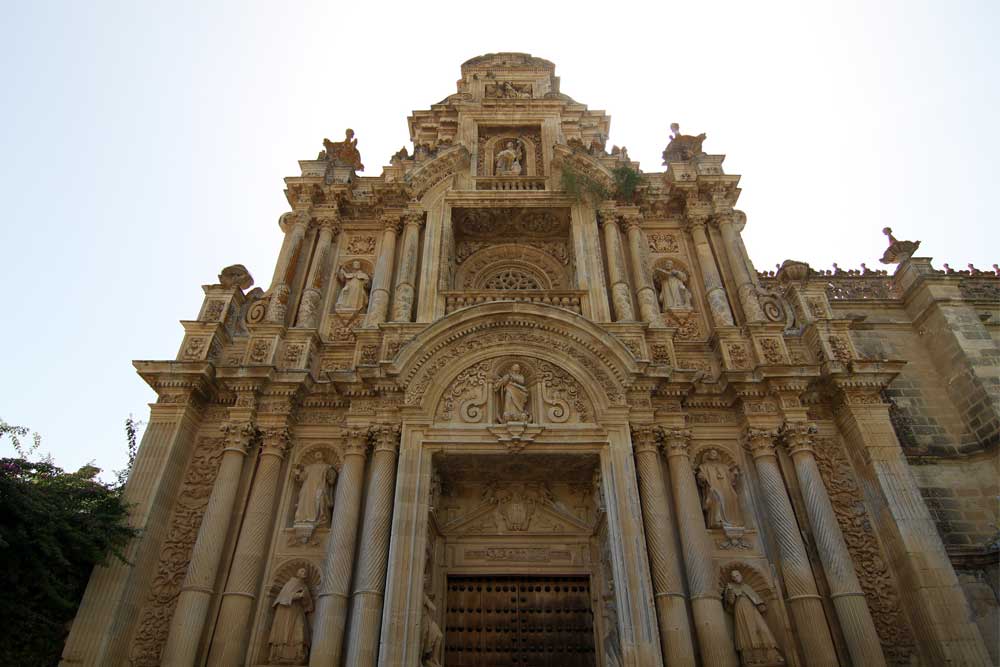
[
  {"x": 54, "y": 527},
  {"x": 626, "y": 183}
]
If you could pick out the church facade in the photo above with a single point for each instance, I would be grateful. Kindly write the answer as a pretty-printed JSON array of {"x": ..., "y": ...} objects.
[{"x": 516, "y": 402}]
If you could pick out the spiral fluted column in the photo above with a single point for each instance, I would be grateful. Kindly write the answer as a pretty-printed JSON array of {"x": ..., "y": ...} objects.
[
  {"x": 373, "y": 554},
  {"x": 294, "y": 226},
  {"x": 309, "y": 307},
  {"x": 188, "y": 621},
  {"x": 232, "y": 631},
  {"x": 378, "y": 304},
  {"x": 803, "y": 598},
  {"x": 338, "y": 565},
  {"x": 402, "y": 306},
  {"x": 848, "y": 597},
  {"x": 716, "y": 294},
  {"x": 649, "y": 306},
  {"x": 714, "y": 643},
  {"x": 621, "y": 295},
  {"x": 664, "y": 564},
  {"x": 730, "y": 224}
]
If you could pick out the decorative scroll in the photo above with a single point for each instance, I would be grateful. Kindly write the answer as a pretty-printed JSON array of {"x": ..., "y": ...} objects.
[
  {"x": 154, "y": 619},
  {"x": 880, "y": 589}
]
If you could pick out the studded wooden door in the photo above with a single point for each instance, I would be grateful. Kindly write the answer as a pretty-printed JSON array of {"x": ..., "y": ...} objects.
[{"x": 508, "y": 621}]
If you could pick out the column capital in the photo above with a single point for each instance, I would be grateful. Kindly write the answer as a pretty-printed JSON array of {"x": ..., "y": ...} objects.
[
  {"x": 239, "y": 436},
  {"x": 607, "y": 216},
  {"x": 632, "y": 221},
  {"x": 645, "y": 438},
  {"x": 275, "y": 440},
  {"x": 413, "y": 218},
  {"x": 760, "y": 441},
  {"x": 391, "y": 221},
  {"x": 676, "y": 441},
  {"x": 385, "y": 437},
  {"x": 356, "y": 442},
  {"x": 798, "y": 436},
  {"x": 697, "y": 220},
  {"x": 329, "y": 224}
]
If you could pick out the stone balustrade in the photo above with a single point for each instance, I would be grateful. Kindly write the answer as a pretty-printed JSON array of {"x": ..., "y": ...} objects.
[
  {"x": 568, "y": 299},
  {"x": 510, "y": 183}
]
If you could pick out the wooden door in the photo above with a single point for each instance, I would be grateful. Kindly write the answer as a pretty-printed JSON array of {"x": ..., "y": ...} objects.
[{"x": 511, "y": 621}]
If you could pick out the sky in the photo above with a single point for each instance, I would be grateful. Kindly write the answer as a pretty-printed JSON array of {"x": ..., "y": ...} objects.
[{"x": 145, "y": 145}]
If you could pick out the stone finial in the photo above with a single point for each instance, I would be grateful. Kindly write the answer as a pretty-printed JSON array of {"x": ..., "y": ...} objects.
[
  {"x": 793, "y": 271},
  {"x": 236, "y": 276},
  {"x": 898, "y": 251},
  {"x": 682, "y": 147}
]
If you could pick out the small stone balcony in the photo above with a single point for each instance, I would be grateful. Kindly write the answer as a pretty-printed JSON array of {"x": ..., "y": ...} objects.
[
  {"x": 511, "y": 183},
  {"x": 569, "y": 299}
]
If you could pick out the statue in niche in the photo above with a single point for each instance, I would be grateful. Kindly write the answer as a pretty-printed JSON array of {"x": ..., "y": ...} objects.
[
  {"x": 346, "y": 151},
  {"x": 508, "y": 162},
  {"x": 674, "y": 292},
  {"x": 288, "y": 641},
  {"x": 717, "y": 481},
  {"x": 354, "y": 294},
  {"x": 754, "y": 640},
  {"x": 431, "y": 637},
  {"x": 513, "y": 396},
  {"x": 315, "y": 495}
]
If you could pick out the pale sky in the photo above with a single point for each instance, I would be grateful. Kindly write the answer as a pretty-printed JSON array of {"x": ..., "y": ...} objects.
[{"x": 145, "y": 144}]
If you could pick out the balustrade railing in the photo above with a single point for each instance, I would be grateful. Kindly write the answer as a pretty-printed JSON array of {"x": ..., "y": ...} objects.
[
  {"x": 510, "y": 183},
  {"x": 569, "y": 299}
]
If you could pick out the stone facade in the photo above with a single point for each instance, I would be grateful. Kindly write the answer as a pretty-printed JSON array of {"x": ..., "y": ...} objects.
[{"x": 515, "y": 402}]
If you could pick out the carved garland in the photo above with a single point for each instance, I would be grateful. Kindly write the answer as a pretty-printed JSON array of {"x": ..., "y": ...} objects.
[
  {"x": 881, "y": 592},
  {"x": 154, "y": 619}
]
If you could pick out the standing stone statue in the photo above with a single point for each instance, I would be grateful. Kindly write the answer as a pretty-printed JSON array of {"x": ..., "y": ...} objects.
[
  {"x": 513, "y": 396},
  {"x": 354, "y": 294},
  {"x": 754, "y": 641},
  {"x": 431, "y": 636},
  {"x": 674, "y": 292},
  {"x": 719, "y": 498},
  {"x": 316, "y": 493},
  {"x": 288, "y": 641},
  {"x": 509, "y": 160}
]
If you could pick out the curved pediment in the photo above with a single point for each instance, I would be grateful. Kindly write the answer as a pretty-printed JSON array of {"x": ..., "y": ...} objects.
[
  {"x": 447, "y": 162},
  {"x": 584, "y": 163}
]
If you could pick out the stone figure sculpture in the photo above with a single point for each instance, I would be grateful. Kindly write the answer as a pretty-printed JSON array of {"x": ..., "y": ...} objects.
[
  {"x": 682, "y": 147},
  {"x": 674, "y": 293},
  {"x": 288, "y": 641},
  {"x": 236, "y": 276},
  {"x": 346, "y": 151},
  {"x": 354, "y": 294},
  {"x": 513, "y": 396},
  {"x": 315, "y": 495},
  {"x": 717, "y": 480},
  {"x": 431, "y": 637},
  {"x": 508, "y": 162},
  {"x": 754, "y": 641}
]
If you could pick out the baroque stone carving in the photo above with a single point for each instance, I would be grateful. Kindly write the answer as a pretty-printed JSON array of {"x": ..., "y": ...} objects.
[
  {"x": 663, "y": 244},
  {"x": 315, "y": 496},
  {"x": 717, "y": 481},
  {"x": 514, "y": 396},
  {"x": 511, "y": 266},
  {"x": 354, "y": 294},
  {"x": 508, "y": 90},
  {"x": 682, "y": 147},
  {"x": 508, "y": 160},
  {"x": 361, "y": 245},
  {"x": 344, "y": 152},
  {"x": 236, "y": 276},
  {"x": 755, "y": 642},
  {"x": 288, "y": 639},
  {"x": 870, "y": 564},
  {"x": 674, "y": 292},
  {"x": 154, "y": 618},
  {"x": 431, "y": 637}
]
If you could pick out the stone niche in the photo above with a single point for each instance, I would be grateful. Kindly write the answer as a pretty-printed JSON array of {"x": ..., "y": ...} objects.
[{"x": 525, "y": 146}]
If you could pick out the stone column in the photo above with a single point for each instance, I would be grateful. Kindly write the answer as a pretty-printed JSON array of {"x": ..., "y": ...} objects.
[
  {"x": 649, "y": 306},
  {"x": 402, "y": 307},
  {"x": 294, "y": 226},
  {"x": 373, "y": 554},
  {"x": 803, "y": 598},
  {"x": 730, "y": 224},
  {"x": 189, "y": 617},
  {"x": 714, "y": 643},
  {"x": 232, "y": 630},
  {"x": 621, "y": 294},
  {"x": 716, "y": 294},
  {"x": 378, "y": 304},
  {"x": 588, "y": 262},
  {"x": 845, "y": 591},
  {"x": 664, "y": 564},
  {"x": 309, "y": 308},
  {"x": 335, "y": 583}
]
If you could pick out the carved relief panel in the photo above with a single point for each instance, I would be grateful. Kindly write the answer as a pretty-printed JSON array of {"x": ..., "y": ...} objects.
[
  {"x": 514, "y": 389},
  {"x": 510, "y": 151}
]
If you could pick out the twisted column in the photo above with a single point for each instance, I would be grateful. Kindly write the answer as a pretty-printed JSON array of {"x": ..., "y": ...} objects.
[
  {"x": 378, "y": 304},
  {"x": 188, "y": 621},
  {"x": 232, "y": 632},
  {"x": 621, "y": 295},
  {"x": 649, "y": 306},
  {"x": 803, "y": 598},
  {"x": 373, "y": 555},
  {"x": 714, "y": 643},
  {"x": 309, "y": 308},
  {"x": 848, "y": 597},
  {"x": 338, "y": 565},
  {"x": 402, "y": 307},
  {"x": 665, "y": 567},
  {"x": 716, "y": 294},
  {"x": 745, "y": 288},
  {"x": 294, "y": 226}
]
